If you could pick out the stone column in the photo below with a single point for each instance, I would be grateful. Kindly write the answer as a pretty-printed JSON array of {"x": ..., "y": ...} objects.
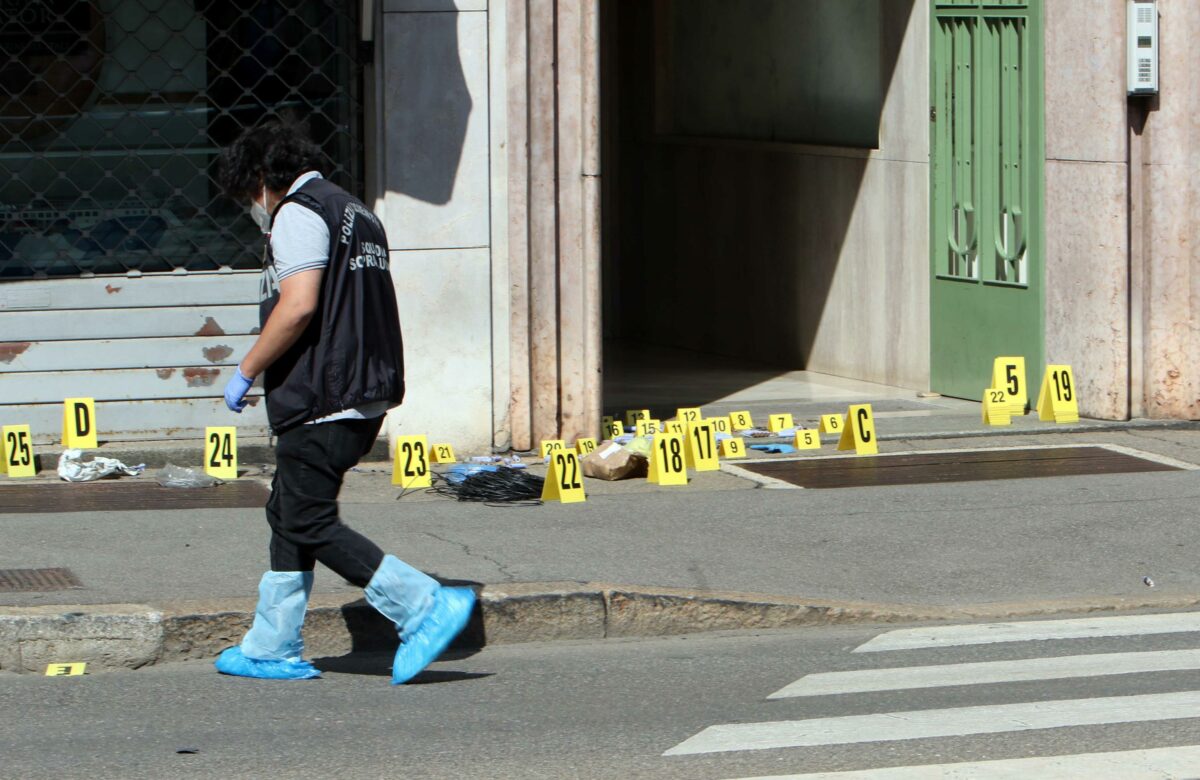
[
  {"x": 433, "y": 127},
  {"x": 1087, "y": 246},
  {"x": 1122, "y": 180},
  {"x": 553, "y": 126},
  {"x": 1170, "y": 294}
]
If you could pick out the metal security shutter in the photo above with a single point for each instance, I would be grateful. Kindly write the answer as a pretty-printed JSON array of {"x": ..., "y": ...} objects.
[
  {"x": 124, "y": 274},
  {"x": 154, "y": 351}
]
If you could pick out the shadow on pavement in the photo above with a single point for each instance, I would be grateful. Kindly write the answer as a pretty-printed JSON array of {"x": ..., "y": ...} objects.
[
  {"x": 373, "y": 642},
  {"x": 379, "y": 664}
]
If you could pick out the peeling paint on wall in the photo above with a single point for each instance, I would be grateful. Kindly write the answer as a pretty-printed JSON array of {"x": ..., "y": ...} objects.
[
  {"x": 217, "y": 354},
  {"x": 201, "y": 377},
  {"x": 108, "y": 288},
  {"x": 165, "y": 373},
  {"x": 9, "y": 350},
  {"x": 210, "y": 328}
]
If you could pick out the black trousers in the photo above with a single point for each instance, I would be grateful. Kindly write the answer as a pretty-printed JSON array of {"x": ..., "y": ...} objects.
[{"x": 310, "y": 462}]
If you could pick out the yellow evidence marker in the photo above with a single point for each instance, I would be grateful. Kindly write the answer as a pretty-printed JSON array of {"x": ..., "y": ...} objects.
[
  {"x": 585, "y": 445},
  {"x": 807, "y": 440},
  {"x": 733, "y": 448},
  {"x": 741, "y": 421},
  {"x": 633, "y": 415},
  {"x": 607, "y": 420},
  {"x": 79, "y": 423},
  {"x": 859, "y": 432},
  {"x": 613, "y": 429},
  {"x": 780, "y": 422},
  {"x": 65, "y": 670},
  {"x": 688, "y": 414},
  {"x": 720, "y": 424},
  {"x": 996, "y": 409},
  {"x": 443, "y": 453},
  {"x": 1008, "y": 374},
  {"x": 1058, "y": 401},
  {"x": 832, "y": 423},
  {"x": 667, "y": 463},
  {"x": 674, "y": 426},
  {"x": 550, "y": 445},
  {"x": 17, "y": 451},
  {"x": 410, "y": 467},
  {"x": 220, "y": 452},
  {"x": 564, "y": 478},
  {"x": 702, "y": 447},
  {"x": 647, "y": 427}
]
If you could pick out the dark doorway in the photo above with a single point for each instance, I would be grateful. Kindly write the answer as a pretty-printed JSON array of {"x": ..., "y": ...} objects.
[{"x": 736, "y": 137}]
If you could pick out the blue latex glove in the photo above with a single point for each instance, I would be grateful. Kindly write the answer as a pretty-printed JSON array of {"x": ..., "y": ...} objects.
[
  {"x": 236, "y": 389},
  {"x": 776, "y": 449}
]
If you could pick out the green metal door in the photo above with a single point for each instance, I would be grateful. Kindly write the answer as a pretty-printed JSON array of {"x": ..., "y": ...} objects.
[{"x": 987, "y": 155}]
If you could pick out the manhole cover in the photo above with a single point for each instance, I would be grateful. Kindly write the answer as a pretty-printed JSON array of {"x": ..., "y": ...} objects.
[
  {"x": 958, "y": 466},
  {"x": 126, "y": 496},
  {"x": 26, "y": 580}
]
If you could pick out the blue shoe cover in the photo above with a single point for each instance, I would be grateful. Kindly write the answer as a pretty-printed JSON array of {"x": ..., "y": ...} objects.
[
  {"x": 448, "y": 617},
  {"x": 233, "y": 662},
  {"x": 279, "y": 617},
  {"x": 401, "y": 593}
]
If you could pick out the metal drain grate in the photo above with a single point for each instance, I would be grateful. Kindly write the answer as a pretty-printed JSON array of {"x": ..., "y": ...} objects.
[
  {"x": 126, "y": 496},
  {"x": 28, "y": 580},
  {"x": 958, "y": 466}
]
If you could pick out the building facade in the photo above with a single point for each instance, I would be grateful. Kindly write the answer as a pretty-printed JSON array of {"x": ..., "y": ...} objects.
[{"x": 888, "y": 190}]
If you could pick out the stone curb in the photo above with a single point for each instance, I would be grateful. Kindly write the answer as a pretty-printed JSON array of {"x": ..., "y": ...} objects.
[{"x": 131, "y": 636}]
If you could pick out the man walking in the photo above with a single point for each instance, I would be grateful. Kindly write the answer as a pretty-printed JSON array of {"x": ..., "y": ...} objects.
[{"x": 330, "y": 355}]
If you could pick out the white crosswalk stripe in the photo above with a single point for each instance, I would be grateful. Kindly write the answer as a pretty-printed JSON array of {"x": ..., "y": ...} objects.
[
  {"x": 912, "y": 723},
  {"x": 1031, "y": 631},
  {"x": 986, "y": 672},
  {"x": 1157, "y": 764},
  {"x": 953, "y": 722}
]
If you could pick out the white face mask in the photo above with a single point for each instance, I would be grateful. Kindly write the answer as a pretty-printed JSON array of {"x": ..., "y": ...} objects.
[{"x": 259, "y": 213}]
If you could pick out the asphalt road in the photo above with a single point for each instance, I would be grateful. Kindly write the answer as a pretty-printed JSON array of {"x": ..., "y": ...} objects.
[{"x": 611, "y": 710}]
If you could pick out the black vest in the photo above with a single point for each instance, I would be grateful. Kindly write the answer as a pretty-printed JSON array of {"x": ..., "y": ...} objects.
[{"x": 351, "y": 353}]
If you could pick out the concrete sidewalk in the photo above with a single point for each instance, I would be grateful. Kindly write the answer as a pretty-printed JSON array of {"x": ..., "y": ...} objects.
[{"x": 635, "y": 559}]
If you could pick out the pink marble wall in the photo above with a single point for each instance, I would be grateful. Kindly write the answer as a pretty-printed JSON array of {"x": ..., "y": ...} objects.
[
  {"x": 1115, "y": 331},
  {"x": 1171, "y": 293},
  {"x": 1087, "y": 303},
  {"x": 1087, "y": 247}
]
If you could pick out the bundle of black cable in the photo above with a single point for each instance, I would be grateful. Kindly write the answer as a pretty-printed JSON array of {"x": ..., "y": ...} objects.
[{"x": 502, "y": 487}]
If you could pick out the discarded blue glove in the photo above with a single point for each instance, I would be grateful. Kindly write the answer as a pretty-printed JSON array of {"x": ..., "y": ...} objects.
[
  {"x": 460, "y": 471},
  {"x": 233, "y": 662},
  {"x": 236, "y": 389},
  {"x": 774, "y": 449}
]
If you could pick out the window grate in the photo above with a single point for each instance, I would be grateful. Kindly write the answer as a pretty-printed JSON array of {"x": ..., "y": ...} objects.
[{"x": 111, "y": 116}]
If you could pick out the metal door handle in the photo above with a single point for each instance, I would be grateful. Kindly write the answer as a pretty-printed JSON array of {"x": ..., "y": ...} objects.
[
  {"x": 962, "y": 250},
  {"x": 1018, "y": 231}
]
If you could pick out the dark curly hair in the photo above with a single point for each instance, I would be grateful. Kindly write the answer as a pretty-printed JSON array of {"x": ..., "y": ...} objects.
[{"x": 273, "y": 153}]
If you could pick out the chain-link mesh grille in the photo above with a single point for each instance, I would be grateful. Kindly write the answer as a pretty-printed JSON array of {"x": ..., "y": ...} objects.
[{"x": 112, "y": 113}]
